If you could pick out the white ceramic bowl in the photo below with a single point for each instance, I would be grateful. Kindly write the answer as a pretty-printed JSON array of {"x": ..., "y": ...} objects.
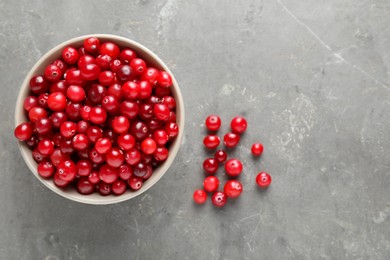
[{"x": 152, "y": 60}]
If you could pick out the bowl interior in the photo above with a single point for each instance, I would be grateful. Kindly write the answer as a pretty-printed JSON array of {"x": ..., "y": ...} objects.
[{"x": 152, "y": 60}]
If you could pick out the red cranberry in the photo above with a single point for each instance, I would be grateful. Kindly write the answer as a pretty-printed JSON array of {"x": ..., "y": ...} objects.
[
  {"x": 68, "y": 129},
  {"x": 219, "y": 199},
  {"x": 57, "y": 118},
  {"x": 84, "y": 186},
  {"x": 114, "y": 157},
  {"x": 135, "y": 183},
  {"x": 127, "y": 55},
  {"x": 23, "y": 131},
  {"x": 93, "y": 177},
  {"x": 133, "y": 157},
  {"x": 58, "y": 156},
  {"x": 257, "y": 149},
  {"x": 139, "y": 130},
  {"x": 106, "y": 78},
  {"x": 150, "y": 75},
  {"x": 59, "y": 86},
  {"x": 233, "y": 188},
  {"x": 73, "y": 77},
  {"x": 94, "y": 133},
  {"x": 125, "y": 172},
  {"x": 210, "y": 165},
  {"x": 110, "y": 49},
  {"x": 213, "y": 122},
  {"x": 103, "y": 145},
  {"x": 96, "y": 93},
  {"x": 56, "y": 101},
  {"x": 130, "y": 90},
  {"x": 66, "y": 146},
  {"x": 84, "y": 167},
  {"x": 220, "y": 156},
  {"x": 172, "y": 129},
  {"x": 45, "y": 169},
  {"x": 97, "y": 115},
  {"x": 118, "y": 187},
  {"x": 161, "y": 137},
  {"x": 211, "y": 183},
  {"x": 110, "y": 134},
  {"x": 126, "y": 142},
  {"x": 148, "y": 146},
  {"x": 91, "y": 44},
  {"x": 61, "y": 65},
  {"x": 154, "y": 124},
  {"x": 96, "y": 157},
  {"x": 42, "y": 99},
  {"x": 211, "y": 141},
  {"x": 84, "y": 112},
  {"x": 145, "y": 90},
  {"x": 39, "y": 84},
  {"x": 70, "y": 55},
  {"x": 66, "y": 170},
  {"x": 104, "y": 189},
  {"x": 129, "y": 109},
  {"x": 238, "y": 124},
  {"x": 161, "y": 92},
  {"x": 73, "y": 111},
  {"x": 53, "y": 73},
  {"x": 263, "y": 179},
  {"x": 200, "y": 196},
  {"x": 115, "y": 65},
  {"x": 75, "y": 93},
  {"x": 103, "y": 61},
  {"x": 37, "y": 156},
  {"x": 146, "y": 111},
  {"x": 164, "y": 79},
  {"x": 115, "y": 91},
  {"x": 82, "y": 127},
  {"x": 161, "y": 111},
  {"x": 120, "y": 124},
  {"x": 108, "y": 174},
  {"x": 30, "y": 102},
  {"x": 36, "y": 113},
  {"x": 140, "y": 169},
  {"x": 85, "y": 60},
  {"x": 59, "y": 182},
  {"x": 138, "y": 65},
  {"x": 57, "y": 139},
  {"x": 161, "y": 154},
  {"x": 233, "y": 167},
  {"x": 45, "y": 147},
  {"x": 90, "y": 71},
  {"x": 170, "y": 102},
  {"x": 231, "y": 140},
  {"x": 83, "y": 154},
  {"x": 32, "y": 142},
  {"x": 80, "y": 142},
  {"x": 43, "y": 126}
]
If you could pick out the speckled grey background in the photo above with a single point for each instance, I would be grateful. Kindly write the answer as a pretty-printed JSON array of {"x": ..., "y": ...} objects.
[{"x": 312, "y": 79}]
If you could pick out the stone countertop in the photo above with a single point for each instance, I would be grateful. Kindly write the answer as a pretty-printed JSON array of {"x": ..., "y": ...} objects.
[{"x": 310, "y": 76}]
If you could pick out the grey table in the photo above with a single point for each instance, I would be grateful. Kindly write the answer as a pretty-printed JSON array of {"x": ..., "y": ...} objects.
[{"x": 310, "y": 76}]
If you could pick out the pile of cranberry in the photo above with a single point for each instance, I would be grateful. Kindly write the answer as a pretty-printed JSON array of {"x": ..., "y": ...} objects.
[
  {"x": 233, "y": 166},
  {"x": 100, "y": 119}
]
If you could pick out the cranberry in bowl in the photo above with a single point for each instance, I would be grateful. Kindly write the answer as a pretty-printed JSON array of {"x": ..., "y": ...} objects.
[{"x": 99, "y": 119}]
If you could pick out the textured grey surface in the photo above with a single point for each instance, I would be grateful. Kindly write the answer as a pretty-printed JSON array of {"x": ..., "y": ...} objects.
[{"x": 310, "y": 76}]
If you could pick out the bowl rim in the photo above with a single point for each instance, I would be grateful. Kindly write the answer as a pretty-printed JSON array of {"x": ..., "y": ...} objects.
[{"x": 111, "y": 199}]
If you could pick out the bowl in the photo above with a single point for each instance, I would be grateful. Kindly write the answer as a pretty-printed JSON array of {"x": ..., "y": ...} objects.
[{"x": 152, "y": 60}]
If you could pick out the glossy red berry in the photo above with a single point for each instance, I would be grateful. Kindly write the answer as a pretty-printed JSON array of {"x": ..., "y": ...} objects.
[
  {"x": 57, "y": 118},
  {"x": 91, "y": 44},
  {"x": 161, "y": 154},
  {"x": 96, "y": 93},
  {"x": 127, "y": 55},
  {"x": 68, "y": 129},
  {"x": 133, "y": 157},
  {"x": 108, "y": 174},
  {"x": 106, "y": 78},
  {"x": 263, "y": 179},
  {"x": 53, "y": 73},
  {"x": 61, "y": 65},
  {"x": 233, "y": 167},
  {"x": 59, "y": 182},
  {"x": 84, "y": 186},
  {"x": 66, "y": 170},
  {"x": 94, "y": 133},
  {"x": 80, "y": 142},
  {"x": 129, "y": 109},
  {"x": 115, "y": 157},
  {"x": 220, "y": 156},
  {"x": 73, "y": 77},
  {"x": 75, "y": 93},
  {"x": 139, "y": 130},
  {"x": 85, "y": 60},
  {"x": 211, "y": 183},
  {"x": 219, "y": 199},
  {"x": 45, "y": 147},
  {"x": 36, "y": 113},
  {"x": 138, "y": 66},
  {"x": 164, "y": 79},
  {"x": 90, "y": 71},
  {"x": 257, "y": 149},
  {"x": 104, "y": 189},
  {"x": 120, "y": 124},
  {"x": 96, "y": 157},
  {"x": 231, "y": 140},
  {"x": 56, "y": 101},
  {"x": 150, "y": 75},
  {"x": 124, "y": 73},
  {"x": 172, "y": 129},
  {"x": 84, "y": 167},
  {"x": 93, "y": 177},
  {"x": 135, "y": 183},
  {"x": 70, "y": 55},
  {"x": 97, "y": 115},
  {"x": 213, "y": 122},
  {"x": 161, "y": 137},
  {"x": 130, "y": 90},
  {"x": 45, "y": 169},
  {"x": 211, "y": 141},
  {"x": 115, "y": 91},
  {"x": 103, "y": 145},
  {"x": 148, "y": 146},
  {"x": 118, "y": 187},
  {"x": 170, "y": 102},
  {"x": 103, "y": 61},
  {"x": 39, "y": 84},
  {"x": 30, "y": 102},
  {"x": 238, "y": 125},
  {"x": 126, "y": 142},
  {"x": 233, "y": 188},
  {"x": 125, "y": 171},
  {"x": 200, "y": 196},
  {"x": 37, "y": 156},
  {"x": 110, "y": 49},
  {"x": 58, "y": 156},
  {"x": 59, "y": 86},
  {"x": 23, "y": 131},
  {"x": 210, "y": 165},
  {"x": 161, "y": 112}
]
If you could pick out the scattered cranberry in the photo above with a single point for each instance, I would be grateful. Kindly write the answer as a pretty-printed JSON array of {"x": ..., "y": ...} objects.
[
  {"x": 220, "y": 156},
  {"x": 45, "y": 169},
  {"x": 213, "y": 122},
  {"x": 263, "y": 179},
  {"x": 23, "y": 131},
  {"x": 200, "y": 196},
  {"x": 210, "y": 165},
  {"x": 233, "y": 167},
  {"x": 257, "y": 149},
  {"x": 211, "y": 141},
  {"x": 238, "y": 124},
  {"x": 233, "y": 188},
  {"x": 211, "y": 183},
  {"x": 219, "y": 199},
  {"x": 231, "y": 140}
]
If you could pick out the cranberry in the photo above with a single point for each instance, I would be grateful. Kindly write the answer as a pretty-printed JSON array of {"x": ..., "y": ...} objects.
[
  {"x": 210, "y": 165},
  {"x": 43, "y": 126},
  {"x": 120, "y": 124},
  {"x": 80, "y": 142},
  {"x": 161, "y": 154},
  {"x": 96, "y": 93},
  {"x": 170, "y": 102},
  {"x": 83, "y": 154},
  {"x": 114, "y": 157},
  {"x": 91, "y": 44},
  {"x": 90, "y": 71},
  {"x": 56, "y": 101},
  {"x": 103, "y": 145},
  {"x": 130, "y": 90},
  {"x": 59, "y": 86},
  {"x": 73, "y": 111},
  {"x": 97, "y": 115},
  {"x": 61, "y": 65},
  {"x": 115, "y": 91},
  {"x": 233, "y": 188},
  {"x": 108, "y": 174},
  {"x": 84, "y": 167},
  {"x": 200, "y": 196},
  {"x": 81, "y": 51},
  {"x": 233, "y": 167},
  {"x": 42, "y": 99},
  {"x": 94, "y": 177},
  {"x": 161, "y": 92},
  {"x": 23, "y": 131},
  {"x": 127, "y": 55},
  {"x": 75, "y": 93},
  {"x": 231, "y": 140},
  {"x": 45, "y": 169},
  {"x": 125, "y": 172},
  {"x": 150, "y": 75},
  {"x": 32, "y": 142},
  {"x": 148, "y": 146},
  {"x": 45, "y": 147},
  {"x": 106, "y": 78},
  {"x": 84, "y": 112},
  {"x": 68, "y": 129},
  {"x": 145, "y": 90},
  {"x": 58, "y": 156},
  {"x": 133, "y": 157},
  {"x": 154, "y": 124},
  {"x": 53, "y": 73},
  {"x": 126, "y": 142},
  {"x": 139, "y": 130},
  {"x": 238, "y": 124},
  {"x": 161, "y": 111},
  {"x": 118, "y": 187},
  {"x": 85, "y": 60},
  {"x": 39, "y": 84},
  {"x": 36, "y": 113},
  {"x": 37, "y": 156},
  {"x": 219, "y": 199},
  {"x": 211, "y": 141},
  {"x": 110, "y": 134},
  {"x": 135, "y": 183},
  {"x": 172, "y": 129},
  {"x": 153, "y": 100},
  {"x": 82, "y": 127},
  {"x": 66, "y": 170},
  {"x": 115, "y": 65},
  {"x": 103, "y": 61},
  {"x": 263, "y": 179},
  {"x": 257, "y": 149},
  {"x": 161, "y": 137},
  {"x": 110, "y": 49},
  {"x": 138, "y": 66},
  {"x": 94, "y": 133},
  {"x": 57, "y": 118},
  {"x": 164, "y": 79},
  {"x": 70, "y": 55},
  {"x": 211, "y": 183},
  {"x": 104, "y": 189},
  {"x": 84, "y": 186},
  {"x": 96, "y": 157},
  {"x": 66, "y": 146},
  {"x": 220, "y": 156},
  {"x": 59, "y": 182},
  {"x": 129, "y": 109},
  {"x": 140, "y": 169},
  {"x": 213, "y": 122},
  {"x": 30, "y": 102},
  {"x": 73, "y": 77},
  {"x": 57, "y": 139}
]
